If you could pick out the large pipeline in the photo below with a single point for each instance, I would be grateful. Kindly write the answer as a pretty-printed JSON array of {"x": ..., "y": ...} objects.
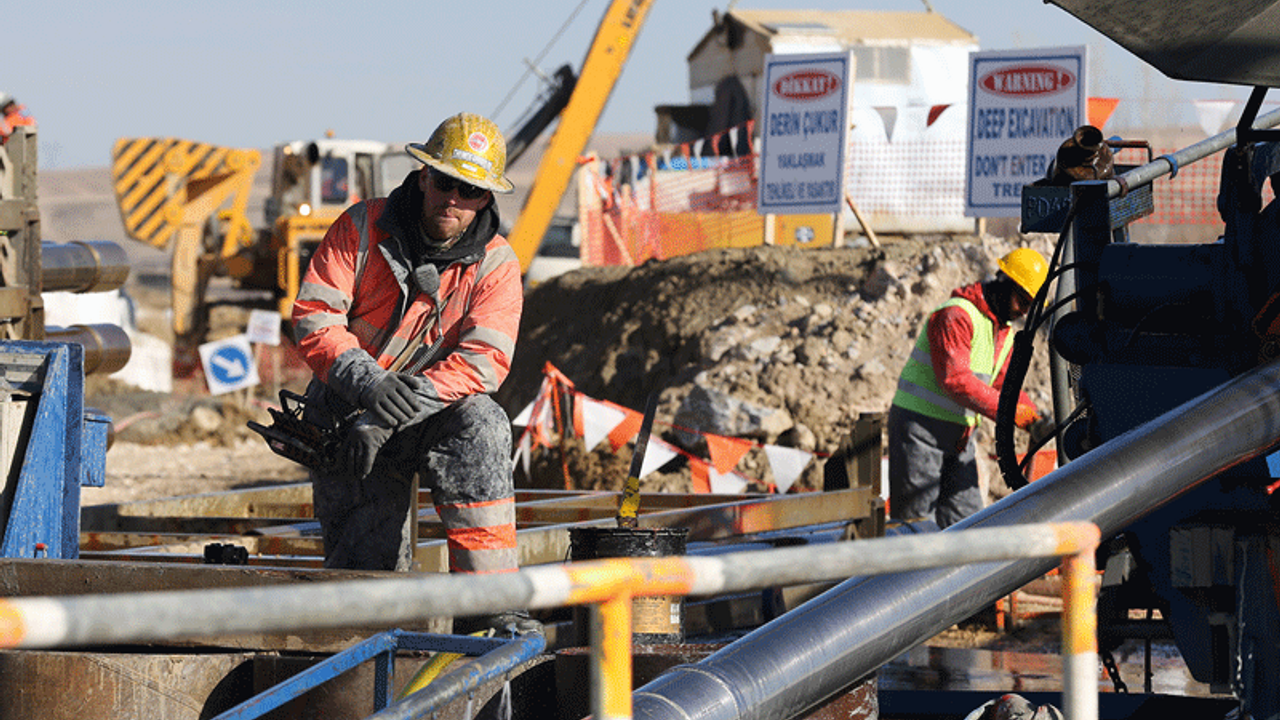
[
  {"x": 797, "y": 662},
  {"x": 83, "y": 266},
  {"x": 107, "y": 348}
]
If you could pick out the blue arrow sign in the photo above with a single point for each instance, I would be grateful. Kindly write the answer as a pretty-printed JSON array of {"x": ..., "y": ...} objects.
[{"x": 228, "y": 364}]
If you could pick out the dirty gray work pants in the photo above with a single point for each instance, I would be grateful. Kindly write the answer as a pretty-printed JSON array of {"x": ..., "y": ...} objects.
[
  {"x": 462, "y": 454},
  {"x": 933, "y": 471}
]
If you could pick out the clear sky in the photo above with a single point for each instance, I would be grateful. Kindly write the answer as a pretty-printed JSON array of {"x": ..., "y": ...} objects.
[{"x": 251, "y": 73}]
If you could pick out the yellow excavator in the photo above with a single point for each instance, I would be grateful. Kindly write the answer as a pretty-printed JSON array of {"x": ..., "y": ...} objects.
[{"x": 192, "y": 197}]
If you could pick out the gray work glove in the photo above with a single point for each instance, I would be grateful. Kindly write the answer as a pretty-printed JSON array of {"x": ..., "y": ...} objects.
[
  {"x": 360, "y": 448},
  {"x": 392, "y": 400}
]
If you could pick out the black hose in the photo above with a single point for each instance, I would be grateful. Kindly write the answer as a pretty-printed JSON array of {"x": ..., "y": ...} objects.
[
  {"x": 1019, "y": 363},
  {"x": 1006, "y": 409}
]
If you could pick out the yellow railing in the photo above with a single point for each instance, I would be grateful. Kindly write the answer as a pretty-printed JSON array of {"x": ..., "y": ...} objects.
[{"x": 608, "y": 586}]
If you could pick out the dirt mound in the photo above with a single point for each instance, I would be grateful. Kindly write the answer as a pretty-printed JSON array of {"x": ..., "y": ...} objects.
[{"x": 808, "y": 338}]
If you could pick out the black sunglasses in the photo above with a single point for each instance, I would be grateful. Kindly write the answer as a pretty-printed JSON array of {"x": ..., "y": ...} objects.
[{"x": 447, "y": 184}]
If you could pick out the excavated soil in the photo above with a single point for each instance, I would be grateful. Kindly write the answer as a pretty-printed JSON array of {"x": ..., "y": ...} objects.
[{"x": 802, "y": 340}]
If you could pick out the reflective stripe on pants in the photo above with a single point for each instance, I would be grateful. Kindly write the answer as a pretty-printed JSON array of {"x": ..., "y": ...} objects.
[{"x": 463, "y": 455}]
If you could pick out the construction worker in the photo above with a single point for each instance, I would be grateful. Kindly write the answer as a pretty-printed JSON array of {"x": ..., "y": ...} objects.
[
  {"x": 12, "y": 116},
  {"x": 952, "y": 377},
  {"x": 408, "y": 316}
]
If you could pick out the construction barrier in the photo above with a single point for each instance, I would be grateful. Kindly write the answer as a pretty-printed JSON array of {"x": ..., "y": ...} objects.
[{"x": 661, "y": 205}]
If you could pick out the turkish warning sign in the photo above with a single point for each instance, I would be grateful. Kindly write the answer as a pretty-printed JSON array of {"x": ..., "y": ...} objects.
[{"x": 805, "y": 112}]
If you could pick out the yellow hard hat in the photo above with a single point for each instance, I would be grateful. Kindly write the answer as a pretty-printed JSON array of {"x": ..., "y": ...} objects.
[
  {"x": 468, "y": 147},
  {"x": 1027, "y": 268}
]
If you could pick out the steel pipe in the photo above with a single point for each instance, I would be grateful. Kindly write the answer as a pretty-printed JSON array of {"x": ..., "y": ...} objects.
[
  {"x": 107, "y": 348},
  {"x": 799, "y": 661},
  {"x": 83, "y": 266},
  {"x": 1169, "y": 164}
]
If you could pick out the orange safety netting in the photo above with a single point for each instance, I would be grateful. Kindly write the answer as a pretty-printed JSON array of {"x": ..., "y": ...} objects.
[{"x": 657, "y": 206}]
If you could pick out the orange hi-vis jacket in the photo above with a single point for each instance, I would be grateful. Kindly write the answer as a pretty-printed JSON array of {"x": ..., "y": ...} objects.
[
  {"x": 14, "y": 120},
  {"x": 363, "y": 300}
]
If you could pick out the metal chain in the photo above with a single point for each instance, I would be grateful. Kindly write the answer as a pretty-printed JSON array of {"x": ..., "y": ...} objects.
[{"x": 1113, "y": 672}]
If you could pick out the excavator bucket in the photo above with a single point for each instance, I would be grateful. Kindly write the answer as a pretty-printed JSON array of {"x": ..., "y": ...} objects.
[
  {"x": 163, "y": 183},
  {"x": 1205, "y": 40}
]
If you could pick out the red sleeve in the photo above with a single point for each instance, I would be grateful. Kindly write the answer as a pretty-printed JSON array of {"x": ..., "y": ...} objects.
[
  {"x": 950, "y": 340},
  {"x": 327, "y": 289}
]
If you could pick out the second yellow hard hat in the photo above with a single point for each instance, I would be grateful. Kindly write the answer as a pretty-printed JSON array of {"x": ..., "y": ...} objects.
[{"x": 1027, "y": 268}]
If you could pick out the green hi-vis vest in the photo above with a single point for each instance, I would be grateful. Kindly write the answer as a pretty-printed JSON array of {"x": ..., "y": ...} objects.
[{"x": 918, "y": 388}]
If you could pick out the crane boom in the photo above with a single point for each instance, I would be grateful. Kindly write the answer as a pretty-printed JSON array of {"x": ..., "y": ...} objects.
[{"x": 608, "y": 53}]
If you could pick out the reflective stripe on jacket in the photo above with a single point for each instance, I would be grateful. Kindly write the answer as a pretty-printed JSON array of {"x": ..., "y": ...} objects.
[
  {"x": 918, "y": 387},
  {"x": 352, "y": 296}
]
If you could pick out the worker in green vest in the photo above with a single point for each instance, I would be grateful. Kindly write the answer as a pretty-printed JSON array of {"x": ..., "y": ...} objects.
[{"x": 952, "y": 379}]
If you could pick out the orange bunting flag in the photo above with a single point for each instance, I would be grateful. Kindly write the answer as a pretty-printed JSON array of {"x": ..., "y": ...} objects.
[
  {"x": 578, "y": 426},
  {"x": 701, "y": 475},
  {"x": 1100, "y": 109},
  {"x": 623, "y": 432},
  {"x": 935, "y": 112},
  {"x": 726, "y": 451}
]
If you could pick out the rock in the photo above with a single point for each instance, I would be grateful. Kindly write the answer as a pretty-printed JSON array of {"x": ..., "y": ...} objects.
[
  {"x": 812, "y": 351},
  {"x": 871, "y": 369},
  {"x": 205, "y": 419},
  {"x": 799, "y": 436},
  {"x": 709, "y": 410},
  {"x": 764, "y": 347},
  {"x": 841, "y": 341},
  {"x": 715, "y": 346},
  {"x": 881, "y": 280},
  {"x": 925, "y": 285}
]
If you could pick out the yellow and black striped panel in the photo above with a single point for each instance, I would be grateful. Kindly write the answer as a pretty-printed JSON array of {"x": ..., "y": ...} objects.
[{"x": 151, "y": 177}]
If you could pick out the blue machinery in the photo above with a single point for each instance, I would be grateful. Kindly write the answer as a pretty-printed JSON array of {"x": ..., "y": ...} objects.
[
  {"x": 50, "y": 444},
  {"x": 61, "y": 448}
]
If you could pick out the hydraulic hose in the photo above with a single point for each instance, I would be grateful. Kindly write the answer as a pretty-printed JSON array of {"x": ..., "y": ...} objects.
[{"x": 1006, "y": 453}]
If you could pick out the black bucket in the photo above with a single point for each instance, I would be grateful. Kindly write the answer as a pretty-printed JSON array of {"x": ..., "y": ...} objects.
[{"x": 654, "y": 620}]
